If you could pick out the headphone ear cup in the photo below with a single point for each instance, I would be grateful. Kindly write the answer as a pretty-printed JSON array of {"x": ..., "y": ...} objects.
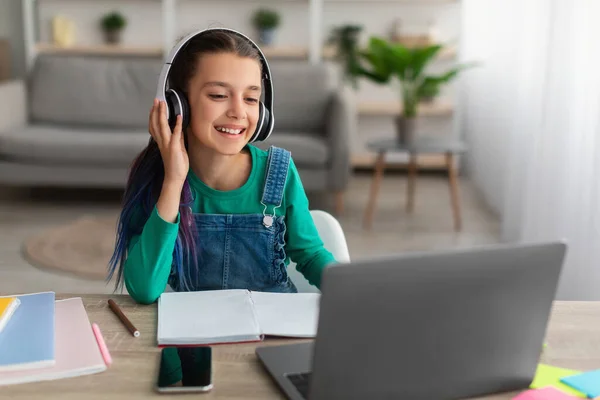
[
  {"x": 186, "y": 112},
  {"x": 177, "y": 104},
  {"x": 259, "y": 123},
  {"x": 266, "y": 127},
  {"x": 262, "y": 126}
]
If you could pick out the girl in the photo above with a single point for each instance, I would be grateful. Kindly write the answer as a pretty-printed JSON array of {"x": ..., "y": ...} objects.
[{"x": 204, "y": 209}]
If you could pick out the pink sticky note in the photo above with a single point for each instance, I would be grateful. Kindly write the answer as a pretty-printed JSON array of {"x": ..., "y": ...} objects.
[{"x": 547, "y": 393}]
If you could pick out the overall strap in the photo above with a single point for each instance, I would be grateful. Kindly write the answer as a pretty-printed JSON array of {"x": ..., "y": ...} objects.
[{"x": 277, "y": 169}]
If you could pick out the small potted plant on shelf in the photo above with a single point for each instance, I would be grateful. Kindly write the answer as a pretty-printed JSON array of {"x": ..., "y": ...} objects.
[
  {"x": 345, "y": 39},
  {"x": 387, "y": 60},
  {"x": 112, "y": 25},
  {"x": 266, "y": 21}
]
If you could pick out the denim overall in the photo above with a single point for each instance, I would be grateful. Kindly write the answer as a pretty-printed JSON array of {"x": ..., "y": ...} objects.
[{"x": 245, "y": 251}]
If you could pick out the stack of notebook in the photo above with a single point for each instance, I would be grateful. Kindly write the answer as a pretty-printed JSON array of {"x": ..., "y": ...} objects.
[{"x": 44, "y": 339}]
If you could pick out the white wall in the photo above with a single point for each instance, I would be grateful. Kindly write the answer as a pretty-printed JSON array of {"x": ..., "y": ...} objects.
[
  {"x": 487, "y": 96},
  {"x": 534, "y": 127},
  {"x": 237, "y": 15},
  {"x": 145, "y": 26},
  {"x": 143, "y": 18}
]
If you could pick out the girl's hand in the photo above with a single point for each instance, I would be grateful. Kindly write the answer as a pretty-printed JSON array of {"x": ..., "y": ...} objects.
[{"x": 171, "y": 144}]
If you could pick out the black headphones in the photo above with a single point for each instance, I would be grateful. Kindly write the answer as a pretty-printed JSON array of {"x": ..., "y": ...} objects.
[{"x": 177, "y": 102}]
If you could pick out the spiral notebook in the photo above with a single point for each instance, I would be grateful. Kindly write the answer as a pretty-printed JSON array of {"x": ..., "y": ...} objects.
[{"x": 234, "y": 315}]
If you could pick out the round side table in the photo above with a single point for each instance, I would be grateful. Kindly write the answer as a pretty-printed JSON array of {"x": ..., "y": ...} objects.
[{"x": 423, "y": 145}]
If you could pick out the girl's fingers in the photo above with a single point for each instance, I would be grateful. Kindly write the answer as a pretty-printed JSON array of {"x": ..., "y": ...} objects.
[
  {"x": 177, "y": 134},
  {"x": 165, "y": 130},
  {"x": 178, "y": 123},
  {"x": 182, "y": 137},
  {"x": 154, "y": 127},
  {"x": 150, "y": 115}
]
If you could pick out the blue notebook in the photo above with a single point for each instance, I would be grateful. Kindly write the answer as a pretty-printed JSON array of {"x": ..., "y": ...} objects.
[{"x": 28, "y": 341}]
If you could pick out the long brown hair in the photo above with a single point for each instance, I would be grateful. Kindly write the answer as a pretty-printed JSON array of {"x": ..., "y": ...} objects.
[
  {"x": 147, "y": 171},
  {"x": 185, "y": 64}
]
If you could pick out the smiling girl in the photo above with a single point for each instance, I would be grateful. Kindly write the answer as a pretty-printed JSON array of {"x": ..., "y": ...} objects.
[{"x": 204, "y": 209}]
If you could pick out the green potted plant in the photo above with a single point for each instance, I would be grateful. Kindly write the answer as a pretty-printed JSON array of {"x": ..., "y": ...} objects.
[
  {"x": 345, "y": 39},
  {"x": 112, "y": 25},
  {"x": 386, "y": 60},
  {"x": 266, "y": 21}
]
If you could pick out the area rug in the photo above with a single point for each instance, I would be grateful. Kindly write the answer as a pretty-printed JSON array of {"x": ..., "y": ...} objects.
[{"x": 82, "y": 248}]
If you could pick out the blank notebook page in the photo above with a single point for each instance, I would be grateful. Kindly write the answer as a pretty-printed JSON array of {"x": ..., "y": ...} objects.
[
  {"x": 204, "y": 317},
  {"x": 287, "y": 314}
]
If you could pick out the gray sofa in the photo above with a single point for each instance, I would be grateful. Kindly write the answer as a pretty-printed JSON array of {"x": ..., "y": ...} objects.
[{"x": 80, "y": 121}]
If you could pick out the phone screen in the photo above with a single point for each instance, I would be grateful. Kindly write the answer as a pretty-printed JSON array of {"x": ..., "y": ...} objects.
[{"x": 185, "y": 369}]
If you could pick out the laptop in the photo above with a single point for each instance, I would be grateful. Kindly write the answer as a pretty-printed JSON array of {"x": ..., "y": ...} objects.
[{"x": 433, "y": 325}]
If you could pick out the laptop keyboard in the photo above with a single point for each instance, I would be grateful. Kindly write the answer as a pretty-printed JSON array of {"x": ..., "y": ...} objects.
[{"x": 300, "y": 382}]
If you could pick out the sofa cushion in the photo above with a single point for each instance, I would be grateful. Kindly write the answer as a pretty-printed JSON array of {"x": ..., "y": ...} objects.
[
  {"x": 117, "y": 148},
  {"x": 308, "y": 150},
  {"x": 69, "y": 146},
  {"x": 93, "y": 91},
  {"x": 301, "y": 94}
]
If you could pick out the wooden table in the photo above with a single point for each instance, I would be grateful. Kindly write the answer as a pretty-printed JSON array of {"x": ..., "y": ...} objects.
[
  {"x": 422, "y": 145},
  {"x": 573, "y": 342}
]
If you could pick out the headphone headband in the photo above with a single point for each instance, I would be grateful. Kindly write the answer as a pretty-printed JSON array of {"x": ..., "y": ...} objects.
[{"x": 163, "y": 79}]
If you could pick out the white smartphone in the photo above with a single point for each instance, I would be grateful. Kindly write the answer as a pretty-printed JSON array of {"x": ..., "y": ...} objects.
[{"x": 185, "y": 369}]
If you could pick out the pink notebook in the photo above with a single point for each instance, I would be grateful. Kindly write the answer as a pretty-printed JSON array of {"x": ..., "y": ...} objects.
[{"x": 77, "y": 351}]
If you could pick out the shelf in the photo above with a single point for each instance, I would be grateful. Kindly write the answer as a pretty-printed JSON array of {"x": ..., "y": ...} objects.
[
  {"x": 100, "y": 50},
  {"x": 286, "y": 52},
  {"x": 447, "y": 53},
  {"x": 293, "y": 52},
  {"x": 276, "y": 51},
  {"x": 411, "y": 2},
  {"x": 391, "y": 108}
]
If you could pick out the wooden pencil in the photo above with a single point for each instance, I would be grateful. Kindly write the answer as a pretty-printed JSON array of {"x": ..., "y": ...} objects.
[{"x": 117, "y": 310}]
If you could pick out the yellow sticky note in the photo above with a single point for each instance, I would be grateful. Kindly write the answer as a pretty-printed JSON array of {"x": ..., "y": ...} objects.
[
  {"x": 8, "y": 305},
  {"x": 547, "y": 375},
  {"x": 5, "y": 304}
]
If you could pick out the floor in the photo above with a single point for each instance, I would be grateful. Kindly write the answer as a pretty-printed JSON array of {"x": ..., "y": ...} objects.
[{"x": 429, "y": 227}]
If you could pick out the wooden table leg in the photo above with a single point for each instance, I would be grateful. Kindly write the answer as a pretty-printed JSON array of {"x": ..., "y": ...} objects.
[
  {"x": 412, "y": 180},
  {"x": 375, "y": 183},
  {"x": 454, "y": 196}
]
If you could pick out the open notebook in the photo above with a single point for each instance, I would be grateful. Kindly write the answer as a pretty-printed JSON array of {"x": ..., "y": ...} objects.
[
  {"x": 235, "y": 315},
  {"x": 77, "y": 351}
]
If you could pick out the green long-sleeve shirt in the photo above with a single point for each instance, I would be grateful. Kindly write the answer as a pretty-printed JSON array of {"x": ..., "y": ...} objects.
[{"x": 150, "y": 254}]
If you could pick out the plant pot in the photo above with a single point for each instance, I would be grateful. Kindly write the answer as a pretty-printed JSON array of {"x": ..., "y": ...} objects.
[
  {"x": 112, "y": 36},
  {"x": 267, "y": 36},
  {"x": 405, "y": 129}
]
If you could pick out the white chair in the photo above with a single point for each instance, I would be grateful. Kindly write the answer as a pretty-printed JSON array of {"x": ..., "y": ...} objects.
[{"x": 334, "y": 240}]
